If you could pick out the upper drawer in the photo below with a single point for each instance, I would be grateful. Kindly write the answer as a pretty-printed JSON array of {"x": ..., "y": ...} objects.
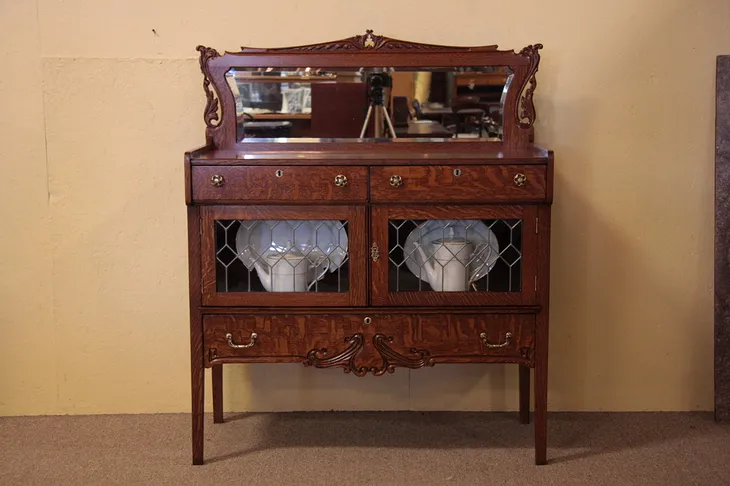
[
  {"x": 458, "y": 183},
  {"x": 263, "y": 184}
]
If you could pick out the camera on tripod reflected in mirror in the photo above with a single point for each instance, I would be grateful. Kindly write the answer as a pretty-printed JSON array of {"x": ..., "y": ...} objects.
[{"x": 377, "y": 82}]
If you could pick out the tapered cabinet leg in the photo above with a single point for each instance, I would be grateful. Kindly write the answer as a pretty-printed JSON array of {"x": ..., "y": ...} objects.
[
  {"x": 541, "y": 413},
  {"x": 218, "y": 394},
  {"x": 197, "y": 363},
  {"x": 524, "y": 394},
  {"x": 198, "y": 392},
  {"x": 542, "y": 325}
]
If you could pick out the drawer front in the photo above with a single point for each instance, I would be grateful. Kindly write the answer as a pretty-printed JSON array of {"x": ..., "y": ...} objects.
[
  {"x": 236, "y": 336},
  {"x": 282, "y": 338},
  {"x": 469, "y": 338},
  {"x": 371, "y": 343},
  {"x": 453, "y": 183},
  {"x": 272, "y": 184}
]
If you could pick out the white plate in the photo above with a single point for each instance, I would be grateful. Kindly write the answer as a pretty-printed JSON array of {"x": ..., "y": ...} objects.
[
  {"x": 321, "y": 241},
  {"x": 470, "y": 229}
]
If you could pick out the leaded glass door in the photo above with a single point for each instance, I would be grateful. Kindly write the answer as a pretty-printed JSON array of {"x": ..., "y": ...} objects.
[
  {"x": 454, "y": 255},
  {"x": 284, "y": 255}
]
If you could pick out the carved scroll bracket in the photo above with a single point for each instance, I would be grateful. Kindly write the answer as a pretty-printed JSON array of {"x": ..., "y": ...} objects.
[
  {"x": 345, "y": 360},
  {"x": 391, "y": 358},
  {"x": 525, "y": 108},
  {"x": 211, "y": 114}
]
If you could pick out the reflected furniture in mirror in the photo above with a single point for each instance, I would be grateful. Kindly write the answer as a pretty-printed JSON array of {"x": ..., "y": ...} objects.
[{"x": 372, "y": 205}]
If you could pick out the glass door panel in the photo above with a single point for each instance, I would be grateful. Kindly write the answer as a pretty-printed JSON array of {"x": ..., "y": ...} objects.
[
  {"x": 282, "y": 255},
  {"x": 454, "y": 256}
]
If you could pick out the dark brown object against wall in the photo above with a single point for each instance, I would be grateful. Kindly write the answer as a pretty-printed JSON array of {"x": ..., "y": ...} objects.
[{"x": 722, "y": 241}]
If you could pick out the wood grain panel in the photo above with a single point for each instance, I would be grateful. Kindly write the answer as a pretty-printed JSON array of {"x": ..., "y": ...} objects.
[
  {"x": 217, "y": 379},
  {"x": 197, "y": 366},
  {"x": 281, "y": 339},
  {"x": 260, "y": 184},
  {"x": 365, "y": 311},
  {"x": 452, "y": 338},
  {"x": 542, "y": 339},
  {"x": 387, "y": 341},
  {"x": 439, "y": 183}
]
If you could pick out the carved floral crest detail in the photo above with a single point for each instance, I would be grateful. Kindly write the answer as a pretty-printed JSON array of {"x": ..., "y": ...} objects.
[{"x": 368, "y": 41}]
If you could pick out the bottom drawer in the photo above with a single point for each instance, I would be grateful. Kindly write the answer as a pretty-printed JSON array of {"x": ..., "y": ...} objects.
[
  {"x": 370, "y": 343},
  {"x": 470, "y": 337},
  {"x": 264, "y": 338}
]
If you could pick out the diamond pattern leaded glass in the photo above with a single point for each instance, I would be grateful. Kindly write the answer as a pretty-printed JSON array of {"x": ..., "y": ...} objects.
[
  {"x": 281, "y": 256},
  {"x": 455, "y": 255}
]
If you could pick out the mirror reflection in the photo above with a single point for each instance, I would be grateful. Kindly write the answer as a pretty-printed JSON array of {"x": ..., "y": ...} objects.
[{"x": 371, "y": 103}]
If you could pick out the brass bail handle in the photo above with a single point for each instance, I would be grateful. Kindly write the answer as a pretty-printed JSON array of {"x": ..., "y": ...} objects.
[
  {"x": 252, "y": 341},
  {"x": 505, "y": 343}
]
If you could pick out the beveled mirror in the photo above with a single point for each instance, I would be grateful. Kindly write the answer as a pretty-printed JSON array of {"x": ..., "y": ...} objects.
[{"x": 368, "y": 103}]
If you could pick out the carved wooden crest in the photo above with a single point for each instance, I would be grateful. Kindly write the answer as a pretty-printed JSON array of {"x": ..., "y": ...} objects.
[{"x": 369, "y": 42}]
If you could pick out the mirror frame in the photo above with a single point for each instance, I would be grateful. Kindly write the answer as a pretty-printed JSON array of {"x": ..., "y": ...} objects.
[{"x": 368, "y": 50}]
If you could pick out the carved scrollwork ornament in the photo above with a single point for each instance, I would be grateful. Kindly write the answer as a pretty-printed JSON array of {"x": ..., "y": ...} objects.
[
  {"x": 211, "y": 114},
  {"x": 525, "y": 108},
  {"x": 345, "y": 360},
  {"x": 392, "y": 358},
  {"x": 368, "y": 42}
]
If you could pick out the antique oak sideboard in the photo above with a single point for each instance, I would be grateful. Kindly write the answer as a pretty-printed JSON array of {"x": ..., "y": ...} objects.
[{"x": 361, "y": 204}]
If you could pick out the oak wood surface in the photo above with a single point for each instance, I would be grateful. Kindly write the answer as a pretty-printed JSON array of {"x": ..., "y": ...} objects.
[
  {"x": 366, "y": 310},
  {"x": 217, "y": 379},
  {"x": 188, "y": 175},
  {"x": 550, "y": 177},
  {"x": 542, "y": 340},
  {"x": 440, "y": 183},
  {"x": 262, "y": 184},
  {"x": 524, "y": 385},
  {"x": 197, "y": 365},
  {"x": 443, "y": 338}
]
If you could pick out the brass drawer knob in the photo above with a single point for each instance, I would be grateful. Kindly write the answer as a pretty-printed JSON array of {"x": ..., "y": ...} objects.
[
  {"x": 507, "y": 340},
  {"x": 340, "y": 181},
  {"x": 217, "y": 180},
  {"x": 520, "y": 180},
  {"x": 396, "y": 181},
  {"x": 252, "y": 341}
]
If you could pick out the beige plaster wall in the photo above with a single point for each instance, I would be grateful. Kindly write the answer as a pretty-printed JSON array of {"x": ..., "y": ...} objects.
[{"x": 97, "y": 110}]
